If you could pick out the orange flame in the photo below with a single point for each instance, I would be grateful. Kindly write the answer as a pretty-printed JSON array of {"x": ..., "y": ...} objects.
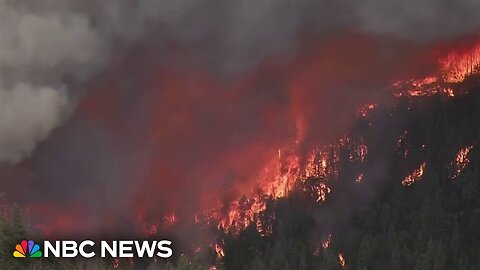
[
  {"x": 278, "y": 179},
  {"x": 415, "y": 176},
  {"x": 219, "y": 250},
  {"x": 341, "y": 260},
  {"x": 457, "y": 66},
  {"x": 359, "y": 178},
  {"x": 326, "y": 242},
  {"x": 170, "y": 219},
  {"x": 461, "y": 161},
  {"x": 454, "y": 68},
  {"x": 364, "y": 110}
]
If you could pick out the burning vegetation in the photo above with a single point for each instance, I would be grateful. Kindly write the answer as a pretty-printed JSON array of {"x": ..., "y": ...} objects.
[
  {"x": 453, "y": 69},
  {"x": 341, "y": 260},
  {"x": 461, "y": 161},
  {"x": 415, "y": 176}
]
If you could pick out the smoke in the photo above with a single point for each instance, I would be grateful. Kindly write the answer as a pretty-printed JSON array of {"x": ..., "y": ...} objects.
[
  {"x": 27, "y": 116},
  {"x": 165, "y": 102},
  {"x": 423, "y": 21},
  {"x": 40, "y": 53},
  {"x": 53, "y": 45}
]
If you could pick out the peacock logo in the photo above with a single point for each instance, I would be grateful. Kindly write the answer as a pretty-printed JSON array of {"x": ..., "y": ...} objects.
[{"x": 27, "y": 249}]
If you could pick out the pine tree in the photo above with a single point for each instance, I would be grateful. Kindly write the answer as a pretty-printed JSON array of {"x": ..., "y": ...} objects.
[
  {"x": 425, "y": 260},
  {"x": 396, "y": 261},
  {"x": 364, "y": 254},
  {"x": 440, "y": 261}
]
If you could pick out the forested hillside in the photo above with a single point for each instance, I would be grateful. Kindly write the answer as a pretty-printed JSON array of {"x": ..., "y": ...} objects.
[{"x": 378, "y": 223}]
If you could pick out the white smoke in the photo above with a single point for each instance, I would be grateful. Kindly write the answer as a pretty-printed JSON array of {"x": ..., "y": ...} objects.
[
  {"x": 38, "y": 51},
  {"x": 27, "y": 115}
]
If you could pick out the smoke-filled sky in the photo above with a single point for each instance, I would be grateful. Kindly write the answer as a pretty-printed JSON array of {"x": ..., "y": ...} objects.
[{"x": 152, "y": 106}]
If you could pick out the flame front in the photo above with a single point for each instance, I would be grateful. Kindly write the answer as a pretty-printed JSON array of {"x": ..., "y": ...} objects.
[
  {"x": 456, "y": 66},
  {"x": 415, "y": 176},
  {"x": 461, "y": 161},
  {"x": 279, "y": 179}
]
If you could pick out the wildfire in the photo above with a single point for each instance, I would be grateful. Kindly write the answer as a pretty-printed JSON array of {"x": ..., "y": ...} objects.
[
  {"x": 457, "y": 66},
  {"x": 279, "y": 178},
  {"x": 289, "y": 167},
  {"x": 341, "y": 260},
  {"x": 415, "y": 176},
  {"x": 454, "y": 68},
  {"x": 461, "y": 161}
]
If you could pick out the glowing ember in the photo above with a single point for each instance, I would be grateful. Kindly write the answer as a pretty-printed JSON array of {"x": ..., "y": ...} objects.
[
  {"x": 415, "y": 176},
  {"x": 449, "y": 92},
  {"x": 364, "y": 110},
  {"x": 170, "y": 219},
  {"x": 403, "y": 146},
  {"x": 322, "y": 191},
  {"x": 264, "y": 229},
  {"x": 359, "y": 151},
  {"x": 461, "y": 161},
  {"x": 359, "y": 178},
  {"x": 424, "y": 81},
  {"x": 152, "y": 230},
  {"x": 427, "y": 86},
  {"x": 219, "y": 251},
  {"x": 327, "y": 241},
  {"x": 116, "y": 263},
  {"x": 341, "y": 260}
]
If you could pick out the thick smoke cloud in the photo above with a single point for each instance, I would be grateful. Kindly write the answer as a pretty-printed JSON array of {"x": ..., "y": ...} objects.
[
  {"x": 423, "y": 20},
  {"x": 27, "y": 115},
  {"x": 47, "y": 44},
  {"x": 39, "y": 51}
]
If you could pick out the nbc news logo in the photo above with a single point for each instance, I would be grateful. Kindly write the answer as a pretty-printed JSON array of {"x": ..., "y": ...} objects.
[
  {"x": 27, "y": 249},
  {"x": 86, "y": 249}
]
